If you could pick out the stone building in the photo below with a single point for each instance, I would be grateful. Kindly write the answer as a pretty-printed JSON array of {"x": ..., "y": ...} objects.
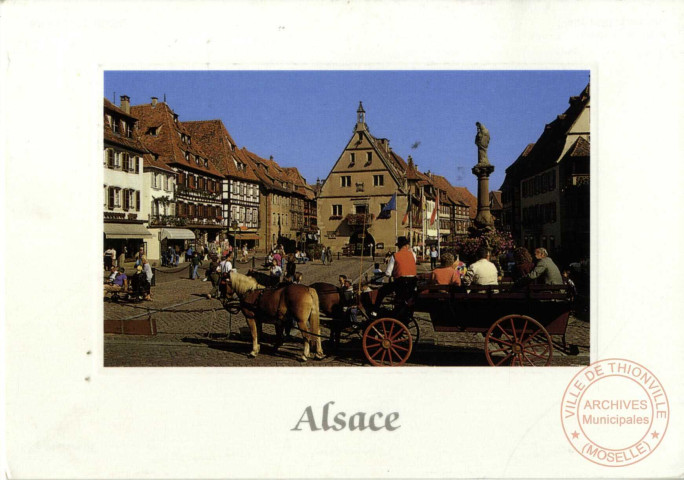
[
  {"x": 304, "y": 225},
  {"x": 361, "y": 182},
  {"x": 123, "y": 180},
  {"x": 545, "y": 195},
  {"x": 239, "y": 186},
  {"x": 276, "y": 198}
]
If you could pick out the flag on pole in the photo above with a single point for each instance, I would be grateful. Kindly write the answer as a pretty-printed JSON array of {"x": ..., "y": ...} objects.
[
  {"x": 386, "y": 211},
  {"x": 434, "y": 212},
  {"x": 408, "y": 210}
]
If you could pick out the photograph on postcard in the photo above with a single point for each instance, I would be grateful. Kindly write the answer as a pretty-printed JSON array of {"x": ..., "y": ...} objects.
[{"x": 346, "y": 218}]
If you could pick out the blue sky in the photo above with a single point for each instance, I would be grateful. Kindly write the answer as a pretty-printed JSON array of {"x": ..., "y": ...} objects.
[{"x": 305, "y": 118}]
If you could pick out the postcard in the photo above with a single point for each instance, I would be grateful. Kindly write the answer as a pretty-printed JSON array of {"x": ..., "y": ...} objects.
[{"x": 341, "y": 240}]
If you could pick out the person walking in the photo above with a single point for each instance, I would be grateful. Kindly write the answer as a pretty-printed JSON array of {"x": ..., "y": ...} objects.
[
  {"x": 323, "y": 255},
  {"x": 139, "y": 255},
  {"x": 329, "y": 255},
  {"x": 147, "y": 270},
  {"x": 214, "y": 276},
  {"x": 433, "y": 257},
  {"x": 196, "y": 262},
  {"x": 291, "y": 268},
  {"x": 109, "y": 258}
]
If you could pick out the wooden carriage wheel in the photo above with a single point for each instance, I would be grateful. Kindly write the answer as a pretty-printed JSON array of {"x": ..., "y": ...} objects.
[
  {"x": 387, "y": 341},
  {"x": 518, "y": 340},
  {"x": 413, "y": 329}
]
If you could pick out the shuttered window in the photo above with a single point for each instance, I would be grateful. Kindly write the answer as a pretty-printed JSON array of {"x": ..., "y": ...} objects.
[
  {"x": 126, "y": 199},
  {"x": 110, "y": 158},
  {"x": 137, "y": 200}
]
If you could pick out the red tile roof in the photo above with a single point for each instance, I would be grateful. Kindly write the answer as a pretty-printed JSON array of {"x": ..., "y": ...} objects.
[
  {"x": 269, "y": 172},
  {"x": 215, "y": 140},
  {"x": 580, "y": 148},
  {"x": 151, "y": 161},
  {"x": 468, "y": 198},
  {"x": 168, "y": 143},
  {"x": 495, "y": 200},
  {"x": 132, "y": 142}
]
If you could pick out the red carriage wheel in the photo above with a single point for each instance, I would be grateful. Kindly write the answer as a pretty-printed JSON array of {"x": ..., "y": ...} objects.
[
  {"x": 387, "y": 341},
  {"x": 518, "y": 340}
]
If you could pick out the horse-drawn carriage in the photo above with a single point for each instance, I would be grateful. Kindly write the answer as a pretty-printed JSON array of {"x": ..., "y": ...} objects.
[{"x": 517, "y": 323}]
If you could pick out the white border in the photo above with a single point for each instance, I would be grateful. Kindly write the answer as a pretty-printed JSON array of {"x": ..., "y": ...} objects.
[{"x": 215, "y": 423}]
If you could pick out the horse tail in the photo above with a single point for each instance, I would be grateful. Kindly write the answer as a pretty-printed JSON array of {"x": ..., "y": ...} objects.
[{"x": 314, "y": 316}]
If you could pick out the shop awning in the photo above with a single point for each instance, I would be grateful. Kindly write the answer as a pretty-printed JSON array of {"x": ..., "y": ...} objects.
[
  {"x": 247, "y": 236},
  {"x": 177, "y": 234},
  {"x": 125, "y": 230}
]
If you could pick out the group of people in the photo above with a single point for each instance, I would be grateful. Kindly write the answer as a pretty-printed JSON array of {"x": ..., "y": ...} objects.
[
  {"x": 401, "y": 267},
  {"x": 326, "y": 255},
  {"x": 140, "y": 283}
]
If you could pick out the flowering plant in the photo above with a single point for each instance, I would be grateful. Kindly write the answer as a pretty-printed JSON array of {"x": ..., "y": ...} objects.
[{"x": 498, "y": 242}]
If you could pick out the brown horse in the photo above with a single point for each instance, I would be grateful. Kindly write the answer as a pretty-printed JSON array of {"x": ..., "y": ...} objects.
[{"x": 276, "y": 305}]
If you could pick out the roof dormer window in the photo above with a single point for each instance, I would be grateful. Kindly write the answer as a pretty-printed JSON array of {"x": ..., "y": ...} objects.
[
  {"x": 175, "y": 118},
  {"x": 197, "y": 159},
  {"x": 187, "y": 157},
  {"x": 206, "y": 163}
]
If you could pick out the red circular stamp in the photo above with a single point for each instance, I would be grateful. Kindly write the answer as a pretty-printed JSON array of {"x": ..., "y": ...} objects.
[{"x": 615, "y": 412}]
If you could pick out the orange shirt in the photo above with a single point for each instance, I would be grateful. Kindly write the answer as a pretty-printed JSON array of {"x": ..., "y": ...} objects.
[
  {"x": 404, "y": 264},
  {"x": 445, "y": 276}
]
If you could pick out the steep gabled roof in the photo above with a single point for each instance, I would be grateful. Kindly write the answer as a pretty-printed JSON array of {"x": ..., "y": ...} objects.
[
  {"x": 495, "y": 200},
  {"x": 580, "y": 148},
  {"x": 546, "y": 151},
  {"x": 168, "y": 142},
  {"x": 268, "y": 172},
  {"x": 152, "y": 161},
  {"x": 215, "y": 140},
  {"x": 468, "y": 198},
  {"x": 131, "y": 143}
]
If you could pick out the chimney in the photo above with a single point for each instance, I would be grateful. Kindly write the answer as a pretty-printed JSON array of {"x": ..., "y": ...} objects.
[
  {"x": 126, "y": 104},
  {"x": 270, "y": 157},
  {"x": 154, "y": 101}
]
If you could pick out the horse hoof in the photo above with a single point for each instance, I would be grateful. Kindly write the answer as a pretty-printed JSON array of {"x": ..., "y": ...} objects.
[
  {"x": 319, "y": 356},
  {"x": 252, "y": 355},
  {"x": 303, "y": 358}
]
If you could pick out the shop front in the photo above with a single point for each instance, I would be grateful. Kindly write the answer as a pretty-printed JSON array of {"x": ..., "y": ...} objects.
[
  {"x": 126, "y": 239},
  {"x": 176, "y": 240}
]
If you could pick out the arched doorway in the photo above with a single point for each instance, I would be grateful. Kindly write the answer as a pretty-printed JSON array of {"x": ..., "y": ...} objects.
[{"x": 361, "y": 244}]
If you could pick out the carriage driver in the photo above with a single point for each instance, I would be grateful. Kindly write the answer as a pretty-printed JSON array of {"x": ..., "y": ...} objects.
[{"x": 402, "y": 268}]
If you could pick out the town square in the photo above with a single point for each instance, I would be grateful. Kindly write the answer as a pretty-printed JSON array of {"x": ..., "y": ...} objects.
[{"x": 397, "y": 258}]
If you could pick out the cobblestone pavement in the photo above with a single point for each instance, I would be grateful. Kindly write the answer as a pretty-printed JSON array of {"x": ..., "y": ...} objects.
[{"x": 194, "y": 331}]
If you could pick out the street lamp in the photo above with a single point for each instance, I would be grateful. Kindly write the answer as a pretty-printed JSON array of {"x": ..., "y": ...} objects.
[{"x": 234, "y": 227}]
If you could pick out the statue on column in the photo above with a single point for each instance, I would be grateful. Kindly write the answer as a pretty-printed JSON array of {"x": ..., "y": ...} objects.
[
  {"x": 482, "y": 170},
  {"x": 482, "y": 142}
]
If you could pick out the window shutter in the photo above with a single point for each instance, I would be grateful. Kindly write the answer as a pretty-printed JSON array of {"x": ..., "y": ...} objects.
[
  {"x": 137, "y": 200},
  {"x": 110, "y": 198}
]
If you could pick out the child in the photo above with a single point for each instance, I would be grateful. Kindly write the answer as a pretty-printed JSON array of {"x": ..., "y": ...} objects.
[{"x": 567, "y": 281}]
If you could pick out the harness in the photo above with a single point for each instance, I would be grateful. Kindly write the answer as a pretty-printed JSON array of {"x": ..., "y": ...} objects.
[{"x": 250, "y": 302}]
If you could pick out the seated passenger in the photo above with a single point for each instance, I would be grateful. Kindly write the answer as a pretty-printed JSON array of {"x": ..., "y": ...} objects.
[
  {"x": 446, "y": 274},
  {"x": 276, "y": 271},
  {"x": 119, "y": 284},
  {"x": 482, "y": 272}
]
